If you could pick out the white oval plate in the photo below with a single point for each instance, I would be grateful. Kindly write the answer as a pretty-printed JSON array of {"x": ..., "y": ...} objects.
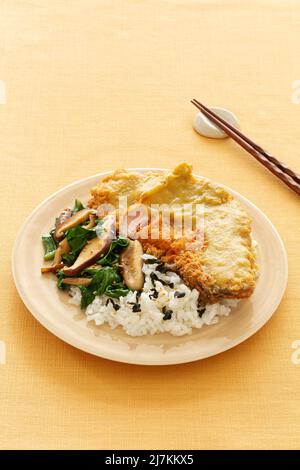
[{"x": 52, "y": 309}]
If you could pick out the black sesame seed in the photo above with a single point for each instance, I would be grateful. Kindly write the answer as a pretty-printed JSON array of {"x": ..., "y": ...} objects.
[
  {"x": 167, "y": 313},
  {"x": 153, "y": 278},
  {"x": 136, "y": 308},
  {"x": 154, "y": 295},
  {"x": 179, "y": 295},
  {"x": 138, "y": 295},
  {"x": 201, "y": 311},
  {"x": 161, "y": 268},
  {"x": 151, "y": 261},
  {"x": 115, "y": 306}
]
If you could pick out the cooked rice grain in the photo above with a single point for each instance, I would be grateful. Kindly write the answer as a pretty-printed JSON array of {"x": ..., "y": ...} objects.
[{"x": 157, "y": 298}]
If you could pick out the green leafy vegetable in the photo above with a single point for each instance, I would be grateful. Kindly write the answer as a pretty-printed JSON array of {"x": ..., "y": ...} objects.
[
  {"x": 49, "y": 246},
  {"x": 103, "y": 278},
  {"x": 105, "y": 281},
  {"x": 60, "y": 276},
  {"x": 78, "y": 206},
  {"x": 77, "y": 238},
  {"x": 117, "y": 290},
  {"x": 112, "y": 256},
  {"x": 87, "y": 296},
  {"x": 88, "y": 272},
  {"x": 69, "y": 258}
]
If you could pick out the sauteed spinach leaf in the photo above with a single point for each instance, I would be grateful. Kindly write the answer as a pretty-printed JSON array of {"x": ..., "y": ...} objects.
[
  {"x": 87, "y": 296},
  {"x": 49, "y": 246},
  {"x": 106, "y": 281},
  {"x": 60, "y": 276},
  {"x": 78, "y": 206},
  {"x": 112, "y": 256},
  {"x": 117, "y": 290},
  {"x": 77, "y": 238}
]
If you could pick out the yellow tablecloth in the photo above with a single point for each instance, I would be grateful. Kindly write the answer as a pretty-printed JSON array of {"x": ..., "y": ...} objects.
[{"x": 93, "y": 85}]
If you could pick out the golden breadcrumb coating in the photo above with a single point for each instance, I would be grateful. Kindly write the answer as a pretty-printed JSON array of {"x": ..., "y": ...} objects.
[{"x": 224, "y": 265}]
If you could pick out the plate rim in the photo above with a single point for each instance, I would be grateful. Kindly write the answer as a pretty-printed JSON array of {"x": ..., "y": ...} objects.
[{"x": 64, "y": 336}]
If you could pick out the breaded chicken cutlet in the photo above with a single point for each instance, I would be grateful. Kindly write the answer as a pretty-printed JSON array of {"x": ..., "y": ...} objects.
[{"x": 223, "y": 265}]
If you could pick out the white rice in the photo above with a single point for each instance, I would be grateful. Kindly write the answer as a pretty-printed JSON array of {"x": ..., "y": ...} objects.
[{"x": 185, "y": 310}]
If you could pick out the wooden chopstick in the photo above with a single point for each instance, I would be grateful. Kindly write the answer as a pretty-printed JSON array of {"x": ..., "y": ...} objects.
[
  {"x": 278, "y": 163},
  {"x": 279, "y": 169}
]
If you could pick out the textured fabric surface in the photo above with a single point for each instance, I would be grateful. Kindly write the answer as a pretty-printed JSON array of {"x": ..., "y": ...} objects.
[{"x": 93, "y": 85}]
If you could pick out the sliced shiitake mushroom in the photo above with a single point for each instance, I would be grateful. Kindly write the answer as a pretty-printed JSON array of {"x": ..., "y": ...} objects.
[
  {"x": 92, "y": 222},
  {"x": 93, "y": 249},
  {"x": 51, "y": 269},
  {"x": 131, "y": 264},
  {"x": 76, "y": 219},
  {"x": 77, "y": 281},
  {"x": 62, "y": 248},
  {"x": 63, "y": 217}
]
